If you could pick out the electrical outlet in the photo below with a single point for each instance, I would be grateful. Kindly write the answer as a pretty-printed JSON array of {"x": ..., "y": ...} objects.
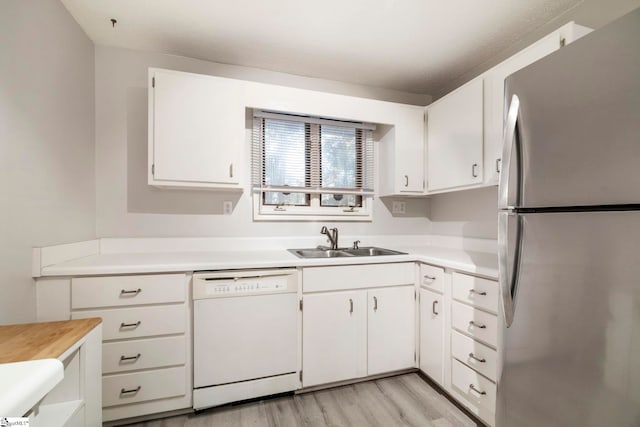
[
  {"x": 227, "y": 207},
  {"x": 399, "y": 207}
]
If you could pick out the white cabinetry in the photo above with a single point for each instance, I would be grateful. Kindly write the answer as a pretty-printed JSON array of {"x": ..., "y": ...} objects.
[
  {"x": 196, "y": 130},
  {"x": 146, "y": 363},
  {"x": 350, "y": 332},
  {"x": 402, "y": 158},
  {"x": 454, "y": 138},
  {"x": 494, "y": 91},
  {"x": 432, "y": 335}
]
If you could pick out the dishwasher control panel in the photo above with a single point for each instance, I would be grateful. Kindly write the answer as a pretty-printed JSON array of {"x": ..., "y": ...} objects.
[{"x": 220, "y": 284}]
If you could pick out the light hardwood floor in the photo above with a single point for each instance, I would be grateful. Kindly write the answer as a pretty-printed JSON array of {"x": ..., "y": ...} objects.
[{"x": 404, "y": 400}]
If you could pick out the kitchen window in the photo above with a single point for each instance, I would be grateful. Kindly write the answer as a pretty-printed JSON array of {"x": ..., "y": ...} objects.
[{"x": 307, "y": 168}]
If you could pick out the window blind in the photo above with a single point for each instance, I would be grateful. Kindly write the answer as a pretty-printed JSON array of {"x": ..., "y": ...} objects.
[{"x": 295, "y": 156}]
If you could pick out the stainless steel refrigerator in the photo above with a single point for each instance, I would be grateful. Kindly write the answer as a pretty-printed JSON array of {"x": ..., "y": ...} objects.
[{"x": 569, "y": 237}]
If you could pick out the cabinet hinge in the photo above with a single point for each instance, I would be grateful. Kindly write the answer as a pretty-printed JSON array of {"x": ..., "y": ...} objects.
[
  {"x": 300, "y": 310},
  {"x": 153, "y": 169},
  {"x": 300, "y": 375},
  {"x": 415, "y": 295},
  {"x": 153, "y": 82},
  {"x": 415, "y": 357}
]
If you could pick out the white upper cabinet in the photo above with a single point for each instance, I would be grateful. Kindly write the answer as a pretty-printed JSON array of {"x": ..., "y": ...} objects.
[
  {"x": 454, "y": 138},
  {"x": 494, "y": 91},
  {"x": 402, "y": 153},
  {"x": 196, "y": 130}
]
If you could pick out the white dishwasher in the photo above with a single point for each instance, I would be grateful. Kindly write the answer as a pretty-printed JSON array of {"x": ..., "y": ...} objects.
[{"x": 245, "y": 335}]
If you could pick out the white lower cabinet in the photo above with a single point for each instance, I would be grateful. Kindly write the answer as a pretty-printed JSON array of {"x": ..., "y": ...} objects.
[
  {"x": 459, "y": 337},
  {"x": 391, "y": 329},
  {"x": 432, "y": 335},
  {"x": 334, "y": 337},
  {"x": 350, "y": 334},
  {"x": 146, "y": 363}
]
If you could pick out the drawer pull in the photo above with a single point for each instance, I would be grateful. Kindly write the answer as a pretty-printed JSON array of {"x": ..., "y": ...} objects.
[
  {"x": 471, "y": 355},
  {"x": 433, "y": 307},
  {"x": 480, "y": 392},
  {"x": 130, "y": 391},
  {"x": 473, "y": 291},
  {"x": 477, "y": 325},
  {"x": 375, "y": 303},
  {"x": 130, "y": 358},
  {"x": 132, "y": 293},
  {"x": 130, "y": 325},
  {"x": 429, "y": 278}
]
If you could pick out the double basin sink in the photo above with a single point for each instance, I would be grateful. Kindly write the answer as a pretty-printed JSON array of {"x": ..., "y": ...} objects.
[{"x": 346, "y": 252}]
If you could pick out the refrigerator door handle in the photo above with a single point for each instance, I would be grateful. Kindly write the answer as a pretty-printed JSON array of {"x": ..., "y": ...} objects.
[
  {"x": 508, "y": 285},
  {"x": 509, "y": 140}
]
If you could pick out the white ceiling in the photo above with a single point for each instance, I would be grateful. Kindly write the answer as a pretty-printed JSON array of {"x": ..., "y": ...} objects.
[{"x": 409, "y": 45}]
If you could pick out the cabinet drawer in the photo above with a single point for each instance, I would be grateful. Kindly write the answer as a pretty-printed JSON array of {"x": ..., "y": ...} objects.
[
  {"x": 143, "y": 354},
  {"x": 476, "y": 291},
  {"x": 138, "y": 322},
  {"x": 88, "y": 292},
  {"x": 474, "y": 354},
  {"x": 432, "y": 278},
  {"x": 318, "y": 279},
  {"x": 478, "y": 390},
  {"x": 474, "y": 322},
  {"x": 141, "y": 386}
]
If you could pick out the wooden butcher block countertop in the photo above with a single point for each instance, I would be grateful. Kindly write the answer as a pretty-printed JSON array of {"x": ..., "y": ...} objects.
[{"x": 48, "y": 340}]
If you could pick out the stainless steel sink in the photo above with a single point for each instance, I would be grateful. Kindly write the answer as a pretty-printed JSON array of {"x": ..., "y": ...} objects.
[
  {"x": 319, "y": 253},
  {"x": 372, "y": 251},
  {"x": 346, "y": 252}
]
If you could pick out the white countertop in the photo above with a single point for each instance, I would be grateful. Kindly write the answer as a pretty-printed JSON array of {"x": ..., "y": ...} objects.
[
  {"x": 481, "y": 263},
  {"x": 25, "y": 383}
]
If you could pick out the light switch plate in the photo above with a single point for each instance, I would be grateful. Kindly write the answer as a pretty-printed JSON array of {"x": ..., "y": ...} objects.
[{"x": 399, "y": 207}]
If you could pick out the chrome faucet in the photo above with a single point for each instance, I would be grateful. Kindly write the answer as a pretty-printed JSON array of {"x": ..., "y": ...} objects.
[{"x": 332, "y": 235}]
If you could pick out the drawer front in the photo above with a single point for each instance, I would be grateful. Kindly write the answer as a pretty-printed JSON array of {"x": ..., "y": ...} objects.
[
  {"x": 113, "y": 291},
  {"x": 476, "y": 291},
  {"x": 476, "y": 323},
  {"x": 432, "y": 278},
  {"x": 143, "y": 354},
  {"x": 138, "y": 322},
  {"x": 478, "y": 390},
  {"x": 474, "y": 354},
  {"x": 344, "y": 277},
  {"x": 123, "y": 389}
]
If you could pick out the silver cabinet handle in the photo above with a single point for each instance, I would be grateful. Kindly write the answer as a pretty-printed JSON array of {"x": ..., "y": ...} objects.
[
  {"x": 231, "y": 170},
  {"x": 375, "y": 303},
  {"x": 429, "y": 278},
  {"x": 474, "y": 171},
  {"x": 480, "y": 392},
  {"x": 350, "y": 306},
  {"x": 130, "y": 358},
  {"x": 473, "y": 291},
  {"x": 433, "y": 307},
  {"x": 130, "y": 325},
  {"x": 131, "y": 390},
  {"x": 498, "y": 164},
  {"x": 133, "y": 293},
  {"x": 406, "y": 180},
  {"x": 473, "y": 356},
  {"x": 477, "y": 325}
]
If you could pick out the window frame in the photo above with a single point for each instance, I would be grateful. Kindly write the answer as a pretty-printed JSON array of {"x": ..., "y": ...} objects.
[{"x": 314, "y": 211}]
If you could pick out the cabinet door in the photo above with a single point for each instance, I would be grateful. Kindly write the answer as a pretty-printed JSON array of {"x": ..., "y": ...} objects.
[
  {"x": 334, "y": 337},
  {"x": 196, "y": 129},
  {"x": 432, "y": 335},
  {"x": 454, "y": 138},
  {"x": 410, "y": 153},
  {"x": 391, "y": 329}
]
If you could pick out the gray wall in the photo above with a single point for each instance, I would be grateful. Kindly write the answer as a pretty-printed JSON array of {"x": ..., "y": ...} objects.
[
  {"x": 128, "y": 207},
  {"x": 47, "y": 185}
]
